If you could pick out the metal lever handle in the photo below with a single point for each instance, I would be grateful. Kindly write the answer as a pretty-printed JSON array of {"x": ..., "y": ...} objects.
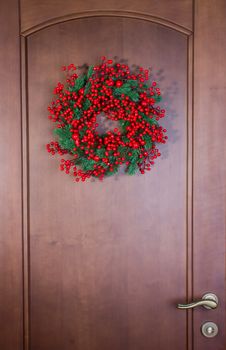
[{"x": 208, "y": 301}]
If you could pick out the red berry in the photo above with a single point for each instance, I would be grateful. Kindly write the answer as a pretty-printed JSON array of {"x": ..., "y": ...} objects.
[{"x": 118, "y": 83}]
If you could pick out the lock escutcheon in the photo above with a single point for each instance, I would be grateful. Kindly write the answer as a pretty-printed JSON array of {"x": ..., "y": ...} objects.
[{"x": 209, "y": 329}]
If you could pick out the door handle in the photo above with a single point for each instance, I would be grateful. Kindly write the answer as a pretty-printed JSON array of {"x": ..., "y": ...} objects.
[{"x": 208, "y": 301}]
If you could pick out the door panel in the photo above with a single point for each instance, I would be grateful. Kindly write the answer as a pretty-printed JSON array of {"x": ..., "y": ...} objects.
[
  {"x": 103, "y": 265},
  {"x": 39, "y": 13},
  {"x": 107, "y": 259},
  {"x": 210, "y": 167},
  {"x": 11, "y": 313}
]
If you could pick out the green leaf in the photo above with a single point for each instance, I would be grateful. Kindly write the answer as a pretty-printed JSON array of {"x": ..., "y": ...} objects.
[
  {"x": 151, "y": 121},
  {"x": 148, "y": 141},
  {"x": 86, "y": 104},
  {"x": 100, "y": 152},
  {"x": 134, "y": 158},
  {"x": 63, "y": 132},
  {"x": 132, "y": 168},
  {"x": 132, "y": 83},
  {"x": 134, "y": 96},
  {"x": 66, "y": 144},
  {"x": 122, "y": 90},
  {"x": 87, "y": 164},
  {"x": 158, "y": 98},
  {"x": 87, "y": 88},
  {"x": 79, "y": 83},
  {"x": 127, "y": 90},
  {"x": 65, "y": 140},
  {"x": 77, "y": 113},
  {"x": 115, "y": 170},
  {"x": 128, "y": 84},
  {"x": 125, "y": 139},
  {"x": 90, "y": 72},
  {"x": 123, "y": 151}
]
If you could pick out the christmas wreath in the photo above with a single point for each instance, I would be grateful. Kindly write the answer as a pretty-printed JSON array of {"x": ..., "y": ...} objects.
[{"x": 121, "y": 95}]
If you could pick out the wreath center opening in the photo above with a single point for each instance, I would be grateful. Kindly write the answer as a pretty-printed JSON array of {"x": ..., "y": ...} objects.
[{"x": 105, "y": 124}]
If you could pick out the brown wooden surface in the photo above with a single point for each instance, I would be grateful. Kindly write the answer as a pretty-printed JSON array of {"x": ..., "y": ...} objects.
[
  {"x": 35, "y": 12},
  {"x": 11, "y": 324},
  {"x": 106, "y": 263},
  {"x": 108, "y": 260},
  {"x": 210, "y": 165}
]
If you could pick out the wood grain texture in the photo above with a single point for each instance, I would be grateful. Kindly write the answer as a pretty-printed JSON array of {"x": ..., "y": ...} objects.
[
  {"x": 210, "y": 165},
  {"x": 108, "y": 260},
  {"x": 190, "y": 152},
  {"x": 25, "y": 193},
  {"x": 106, "y": 13},
  {"x": 35, "y": 12},
  {"x": 11, "y": 321}
]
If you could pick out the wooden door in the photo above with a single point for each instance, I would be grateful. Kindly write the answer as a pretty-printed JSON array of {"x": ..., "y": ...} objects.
[{"x": 102, "y": 265}]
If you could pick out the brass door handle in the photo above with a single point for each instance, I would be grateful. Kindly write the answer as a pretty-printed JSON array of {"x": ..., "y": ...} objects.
[{"x": 208, "y": 301}]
